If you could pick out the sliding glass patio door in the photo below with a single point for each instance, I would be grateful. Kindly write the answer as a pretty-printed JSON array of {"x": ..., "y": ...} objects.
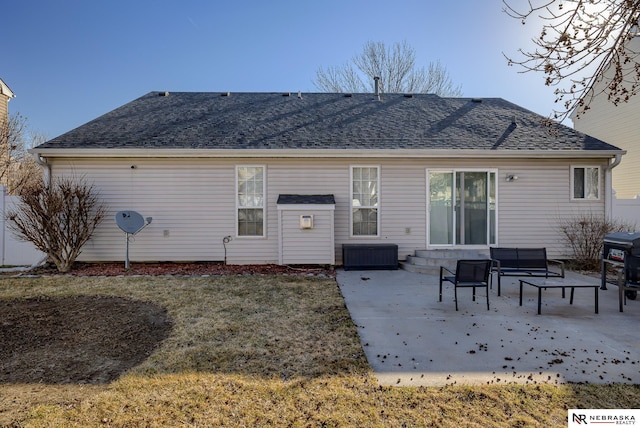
[{"x": 462, "y": 207}]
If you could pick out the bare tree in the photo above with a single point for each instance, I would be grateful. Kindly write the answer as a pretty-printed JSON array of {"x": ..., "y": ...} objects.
[
  {"x": 585, "y": 233},
  {"x": 396, "y": 67},
  {"x": 579, "y": 41},
  {"x": 57, "y": 219},
  {"x": 17, "y": 166}
]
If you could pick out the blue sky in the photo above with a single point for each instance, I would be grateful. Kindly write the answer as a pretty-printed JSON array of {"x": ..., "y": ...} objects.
[{"x": 70, "y": 61}]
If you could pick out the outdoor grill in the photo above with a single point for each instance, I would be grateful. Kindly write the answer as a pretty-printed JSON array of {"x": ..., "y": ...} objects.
[
  {"x": 620, "y": 249},
  {"x": 618, "y": 245}
]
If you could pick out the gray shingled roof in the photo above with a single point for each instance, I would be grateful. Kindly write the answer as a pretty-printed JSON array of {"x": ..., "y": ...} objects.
[{"x": 213, "y": 120}]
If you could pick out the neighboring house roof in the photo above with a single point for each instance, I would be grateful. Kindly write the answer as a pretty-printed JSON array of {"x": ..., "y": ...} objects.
[
  {"x": 320, "y": 122},
  {"x": 5, "y": 90}
]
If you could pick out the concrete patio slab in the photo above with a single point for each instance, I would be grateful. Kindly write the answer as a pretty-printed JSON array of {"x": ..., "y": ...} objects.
[{"x": 412, "y": 339}]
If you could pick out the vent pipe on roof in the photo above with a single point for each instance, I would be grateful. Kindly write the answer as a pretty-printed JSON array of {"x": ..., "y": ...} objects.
[
  {"x": 163, "y": 94},
  {"x": 376, "y": 84}
]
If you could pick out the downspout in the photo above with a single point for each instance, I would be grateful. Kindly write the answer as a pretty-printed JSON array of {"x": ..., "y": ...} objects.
[
  {"x": 608, "y": 184},
  {"x": 46, "y": 168}
]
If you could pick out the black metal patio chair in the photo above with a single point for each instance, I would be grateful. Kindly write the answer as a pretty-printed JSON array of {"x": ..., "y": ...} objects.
[{"x": 469, "y": 274}]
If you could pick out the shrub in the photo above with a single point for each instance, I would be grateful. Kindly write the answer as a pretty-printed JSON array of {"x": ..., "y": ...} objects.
[
  {"x": 58, "y": 219},
  {"x": 585, "y": 233}
]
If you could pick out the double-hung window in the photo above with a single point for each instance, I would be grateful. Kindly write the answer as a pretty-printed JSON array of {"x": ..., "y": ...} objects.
[
  {"x": 585, "y": 182},
  {"x": 250, "y": 181},
  {"x": 365, "y": 198}
]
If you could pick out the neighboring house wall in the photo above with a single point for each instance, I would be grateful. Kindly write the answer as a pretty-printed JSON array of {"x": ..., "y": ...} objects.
[
  {"x": 619, "y": 126},
  {"x": 4, "y": 107},
  {"x": 192, "y": 202},
  {"x": 4, "y": 120},
  {"x": 5, "y": 95}
]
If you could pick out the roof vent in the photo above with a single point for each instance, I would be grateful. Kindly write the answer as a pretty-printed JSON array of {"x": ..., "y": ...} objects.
[
  {"x": 286, "y": 94},
  {"x": 348, "y": 95},
  {"x": 225, "y": 94},
  {"x": 476, "y": 100},
  {"x": 408, "y": 95},
  {"x": 376, "y": 82},
  {"x": 300, "y": 94},
  {"x": 163, "y": 94}
]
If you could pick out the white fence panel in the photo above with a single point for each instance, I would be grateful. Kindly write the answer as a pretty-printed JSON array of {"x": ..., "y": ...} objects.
[
  {"x": 627, "y": 210},
  {"x": 12, "y": 251}
]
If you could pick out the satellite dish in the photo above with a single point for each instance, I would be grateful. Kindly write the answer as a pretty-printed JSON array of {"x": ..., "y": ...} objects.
[{"x": 130, "y": 221}]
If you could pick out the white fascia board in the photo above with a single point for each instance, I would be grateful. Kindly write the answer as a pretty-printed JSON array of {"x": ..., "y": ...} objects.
[
  {"x": 319, "y": 153},
  {"x": 6, "y": 90}
]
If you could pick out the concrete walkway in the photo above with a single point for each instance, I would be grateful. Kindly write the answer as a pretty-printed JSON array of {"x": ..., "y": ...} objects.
[{"x": 412, "y": 339}]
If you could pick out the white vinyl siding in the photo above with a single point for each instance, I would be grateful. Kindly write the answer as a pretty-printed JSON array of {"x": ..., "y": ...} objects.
[
  {"x": 531, "y": 207},
  {"x": 192, "y": 202},
  {"x": 190, "y": 213},
  {"x": 307, "y": 246}
]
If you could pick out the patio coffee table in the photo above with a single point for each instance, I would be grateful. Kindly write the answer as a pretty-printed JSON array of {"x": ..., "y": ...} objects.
[{"x": 563, "y": 283}]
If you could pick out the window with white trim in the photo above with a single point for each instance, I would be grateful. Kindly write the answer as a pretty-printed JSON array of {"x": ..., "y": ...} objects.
[
  {"x": 250, "y": 200},
  {"x": 585, "y": 182},
  {"x": 365, "y": 197}
]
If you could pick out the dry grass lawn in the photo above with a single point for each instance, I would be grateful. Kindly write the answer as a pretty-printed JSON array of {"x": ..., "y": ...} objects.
[{"x": 266, "y": 350}]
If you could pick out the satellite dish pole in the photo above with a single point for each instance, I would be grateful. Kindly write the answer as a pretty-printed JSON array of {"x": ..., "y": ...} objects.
[{"x": 131, "y": 222}]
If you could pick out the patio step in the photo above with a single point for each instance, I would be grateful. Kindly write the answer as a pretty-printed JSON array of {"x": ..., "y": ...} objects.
[{"x": 429, "y": 261}]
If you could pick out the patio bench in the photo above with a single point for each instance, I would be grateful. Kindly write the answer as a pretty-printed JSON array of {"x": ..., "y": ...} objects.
[{"x": 524, "y": 262}]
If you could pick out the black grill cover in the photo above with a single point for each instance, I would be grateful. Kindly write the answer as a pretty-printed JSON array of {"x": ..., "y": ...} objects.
[{"x": 620, "y": 244}]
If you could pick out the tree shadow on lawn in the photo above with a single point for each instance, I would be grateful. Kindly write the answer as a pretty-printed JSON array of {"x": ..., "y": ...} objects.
[
  {"x": 261, "y": 326},
  {"x": 77, "y": 340}
]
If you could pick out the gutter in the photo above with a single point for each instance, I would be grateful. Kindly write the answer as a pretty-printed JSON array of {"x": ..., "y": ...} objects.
[
  {"x": 325, "y": 153},
  {"x": 608, "y": 184}
]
